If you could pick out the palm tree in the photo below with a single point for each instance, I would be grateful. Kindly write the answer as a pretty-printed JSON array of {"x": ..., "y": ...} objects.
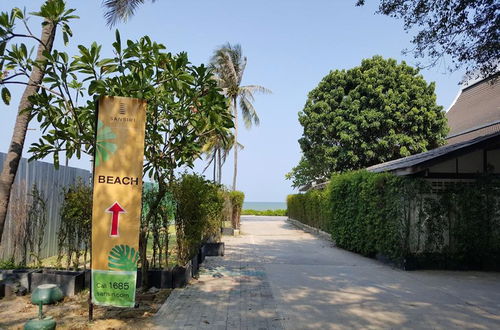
[
  {"x": 216, "y": 150},
  {"x": 229, "y": 65},
  {"x": 120, "y": 10}
]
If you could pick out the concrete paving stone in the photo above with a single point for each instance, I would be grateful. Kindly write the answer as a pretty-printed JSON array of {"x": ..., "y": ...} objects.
[{"x": 275, "y": 276}]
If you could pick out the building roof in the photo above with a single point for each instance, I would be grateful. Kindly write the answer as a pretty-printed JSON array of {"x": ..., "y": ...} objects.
[
  {"x": 476, "y": 111},
  {"x": 416, "y": 163}
]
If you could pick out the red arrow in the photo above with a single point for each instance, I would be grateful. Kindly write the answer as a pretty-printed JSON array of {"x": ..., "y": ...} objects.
[{"x": 116, "y": 209}]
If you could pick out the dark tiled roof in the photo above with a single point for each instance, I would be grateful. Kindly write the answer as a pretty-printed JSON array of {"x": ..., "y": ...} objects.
[
  {"x": 413, "y": 164},
  {"x": 477, "y": 106},
  {"x": 473, "y": 133}
]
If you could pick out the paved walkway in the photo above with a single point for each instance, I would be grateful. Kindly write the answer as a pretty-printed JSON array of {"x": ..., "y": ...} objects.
[{"x": 275, "y": 276}]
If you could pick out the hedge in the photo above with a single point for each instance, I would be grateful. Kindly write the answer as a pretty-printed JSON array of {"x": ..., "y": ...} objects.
[
  {"x": 198, "y": 213},
  {"x": 310, "y": 208},
  {"x": 237, "y": 198},
  {"x": 400, "y": 218},
  {"x": 278, "y": 212}
]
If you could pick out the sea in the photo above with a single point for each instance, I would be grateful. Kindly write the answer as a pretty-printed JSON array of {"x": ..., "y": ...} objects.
[{"x": 262, "y": 206}]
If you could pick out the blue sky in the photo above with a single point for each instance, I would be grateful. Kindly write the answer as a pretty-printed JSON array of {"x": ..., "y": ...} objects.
[{"x": 290, "y": 44}]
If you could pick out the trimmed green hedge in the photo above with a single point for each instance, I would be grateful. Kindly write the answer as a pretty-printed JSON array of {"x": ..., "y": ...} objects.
[
  {"x": 264, "y": 212},
  {"x": 373, "y": 213},
  {"x": 311, "y": 208}
]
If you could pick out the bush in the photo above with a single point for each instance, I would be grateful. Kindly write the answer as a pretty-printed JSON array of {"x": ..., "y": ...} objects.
[
  {"x": 198, "y": 215},
  {"x": 155, "y": 226},
  {"x": 264, "y": 212},
  {"x": 310, "y": 208},
  {"x": 373, "y": 213},
  {"x": 237, "y": 198},
  {"x": 10, "y": 264},
  {"x": 75, "y": 230}
]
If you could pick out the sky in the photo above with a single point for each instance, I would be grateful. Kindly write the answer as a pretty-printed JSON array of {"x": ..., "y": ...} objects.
[{"x": 290, "y": 45}]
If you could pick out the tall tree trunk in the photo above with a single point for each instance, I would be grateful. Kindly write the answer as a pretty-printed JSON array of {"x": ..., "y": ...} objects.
[
  {"x": 220, "y": 166},
  {"x": 215, "y": 165},
  {"x": 235, "y": 108},
  {"x": 15, "y": 152}
]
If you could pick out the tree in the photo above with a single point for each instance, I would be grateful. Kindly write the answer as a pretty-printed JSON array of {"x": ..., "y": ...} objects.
[
  {"x": 229, "y": 66},
  {"x": 184, "y": 108},
  {"x": 303, "y": 174},
  {"x": 216, "y": 150},
  {"x": 16, "y": 63},
  {"x": 373, "y": 113},
  {"x": 120, "y": 10},
  {"x": 466, "y": 31}
]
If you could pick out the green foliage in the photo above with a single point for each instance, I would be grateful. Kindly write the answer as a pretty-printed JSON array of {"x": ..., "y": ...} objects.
[
  {"x": 472, "y": 214},
  {"x": 198, "y": 215},
  {"x": 464, "y": 31},
  {"x": 120, "y": 10},
  {"x": 10, "y": 264},
  {"x": 310, "y": 208},
  {"x": 37, "y": 221},
  {"x": 123, "y": 257},
  {"x": 237, "y": 198},
  {"x": 155, "y": 221},
  {"x": 376, "y": 112},
  {"x": 75, "y": 229},
  {"x": 184, "y": 104},
  {"x": 372, "y": 213},
  {"x": 16, "y": 62},
  {"x": 264, "y": 212},
  {"x": 303, "y": 174}
]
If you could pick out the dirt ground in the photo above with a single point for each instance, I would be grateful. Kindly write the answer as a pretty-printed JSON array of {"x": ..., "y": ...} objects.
[{"x": 72, "y": 313}]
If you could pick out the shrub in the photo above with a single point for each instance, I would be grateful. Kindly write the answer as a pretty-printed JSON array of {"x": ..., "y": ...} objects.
[
  {"x": 379, "y": 213},
  {"x": 310, "y": 208},
  {"x": 198, "y": 215},
  {"x": 75, "y": 230},
  {"x": 10, "y": 264},
  {"x": 237, "y": 198},
  {"x": 155, "y": 226},
  {"x": 37, "y": 221},
  {"x": 264, "y": 212}
]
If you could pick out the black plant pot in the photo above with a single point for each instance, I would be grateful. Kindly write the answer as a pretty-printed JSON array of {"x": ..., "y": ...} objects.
[
  {"x": 160, "y": 278},
  {"x": 23, "y": 276},
  {"x": 214, "y": 249},
  {"x": 201, "y": 254},
  {"x": 195, "y": 265},
  {"x": 70, "y": 282},
  {"x": 181, "y": 275}
]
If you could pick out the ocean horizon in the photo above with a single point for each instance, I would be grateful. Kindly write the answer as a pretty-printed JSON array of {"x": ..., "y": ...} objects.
[{"x": 262, "y": 206}]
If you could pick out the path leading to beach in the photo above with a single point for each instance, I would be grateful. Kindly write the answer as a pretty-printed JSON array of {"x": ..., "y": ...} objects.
[{"x": 275, "y": 276}]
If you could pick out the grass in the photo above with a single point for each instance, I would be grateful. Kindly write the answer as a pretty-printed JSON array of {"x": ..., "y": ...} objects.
[{"x": 264, "y": 212}]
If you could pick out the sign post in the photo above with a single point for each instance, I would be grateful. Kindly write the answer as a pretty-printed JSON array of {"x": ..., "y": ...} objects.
[{"x": 116, "y": 211}]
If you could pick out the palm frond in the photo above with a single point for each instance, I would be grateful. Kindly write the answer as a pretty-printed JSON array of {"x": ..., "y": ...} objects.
[
  {"x": 120, "y": 10},
  {"x": 229, "y": 65},
  {"x": 257, "y": 89},
  {"x": 249, "y": 114},
  {"x": 243, "y": 65},
  {"x": 212, "y": 157}
]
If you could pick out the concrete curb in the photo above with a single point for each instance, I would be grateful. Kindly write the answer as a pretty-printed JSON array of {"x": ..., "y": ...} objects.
[{"x": 311, "y": 230}]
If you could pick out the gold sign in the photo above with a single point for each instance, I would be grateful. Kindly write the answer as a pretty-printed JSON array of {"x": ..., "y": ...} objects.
[{"x": 116, "y": 212}]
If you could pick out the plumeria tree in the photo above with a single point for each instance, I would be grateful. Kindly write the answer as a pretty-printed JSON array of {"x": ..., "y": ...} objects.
[{"x": 184, "y": 108}]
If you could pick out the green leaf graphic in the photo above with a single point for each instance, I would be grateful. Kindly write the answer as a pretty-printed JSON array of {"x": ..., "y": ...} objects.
[
  {"x": 123, "y": 257},
  {"x": 104, "y": 148}
]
